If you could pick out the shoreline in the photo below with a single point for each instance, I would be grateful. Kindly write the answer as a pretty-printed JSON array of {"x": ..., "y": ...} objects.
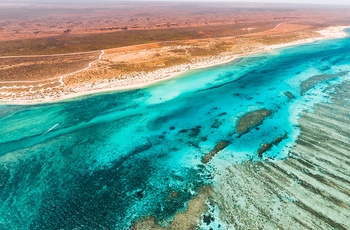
[{"x": 333, "y": 32}]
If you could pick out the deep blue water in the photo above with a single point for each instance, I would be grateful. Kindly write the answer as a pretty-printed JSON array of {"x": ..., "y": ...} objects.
[{"x": 104, "y": 161}]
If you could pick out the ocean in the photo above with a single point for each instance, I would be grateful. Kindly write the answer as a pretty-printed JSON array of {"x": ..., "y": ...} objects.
[{"x": 107, "y": 160}]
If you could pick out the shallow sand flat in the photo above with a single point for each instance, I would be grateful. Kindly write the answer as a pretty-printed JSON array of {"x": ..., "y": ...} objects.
[{"x": 308, "y": 190}]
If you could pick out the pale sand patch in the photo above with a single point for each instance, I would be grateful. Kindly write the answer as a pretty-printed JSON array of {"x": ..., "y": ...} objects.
[
  {"x": 182, "y": 220},
  {"x": 327, "y": 33}
]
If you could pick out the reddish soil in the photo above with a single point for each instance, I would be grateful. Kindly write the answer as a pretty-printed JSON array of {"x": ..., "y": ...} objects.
[{"x": 32, "y": 20}]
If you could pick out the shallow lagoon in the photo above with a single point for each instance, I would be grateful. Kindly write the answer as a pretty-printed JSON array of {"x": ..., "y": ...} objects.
[{"x": 106, "y": 160}]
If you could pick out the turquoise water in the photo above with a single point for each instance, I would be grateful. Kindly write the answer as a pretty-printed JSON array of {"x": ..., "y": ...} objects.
[
  {"x": 347, "y": 31},
  {"x": 104, "y": 161}
]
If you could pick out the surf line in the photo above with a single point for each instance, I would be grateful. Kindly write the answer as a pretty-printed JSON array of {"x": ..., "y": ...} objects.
[{"x": 49, "y": 130}]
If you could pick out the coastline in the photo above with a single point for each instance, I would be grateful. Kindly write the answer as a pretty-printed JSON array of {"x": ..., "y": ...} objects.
[{"x": 159, "y": 75}]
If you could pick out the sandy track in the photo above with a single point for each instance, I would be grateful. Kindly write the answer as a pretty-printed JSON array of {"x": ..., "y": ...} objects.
[
  {"x": 48, "y": 55},
  {"x": 48, "y": 81}
]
